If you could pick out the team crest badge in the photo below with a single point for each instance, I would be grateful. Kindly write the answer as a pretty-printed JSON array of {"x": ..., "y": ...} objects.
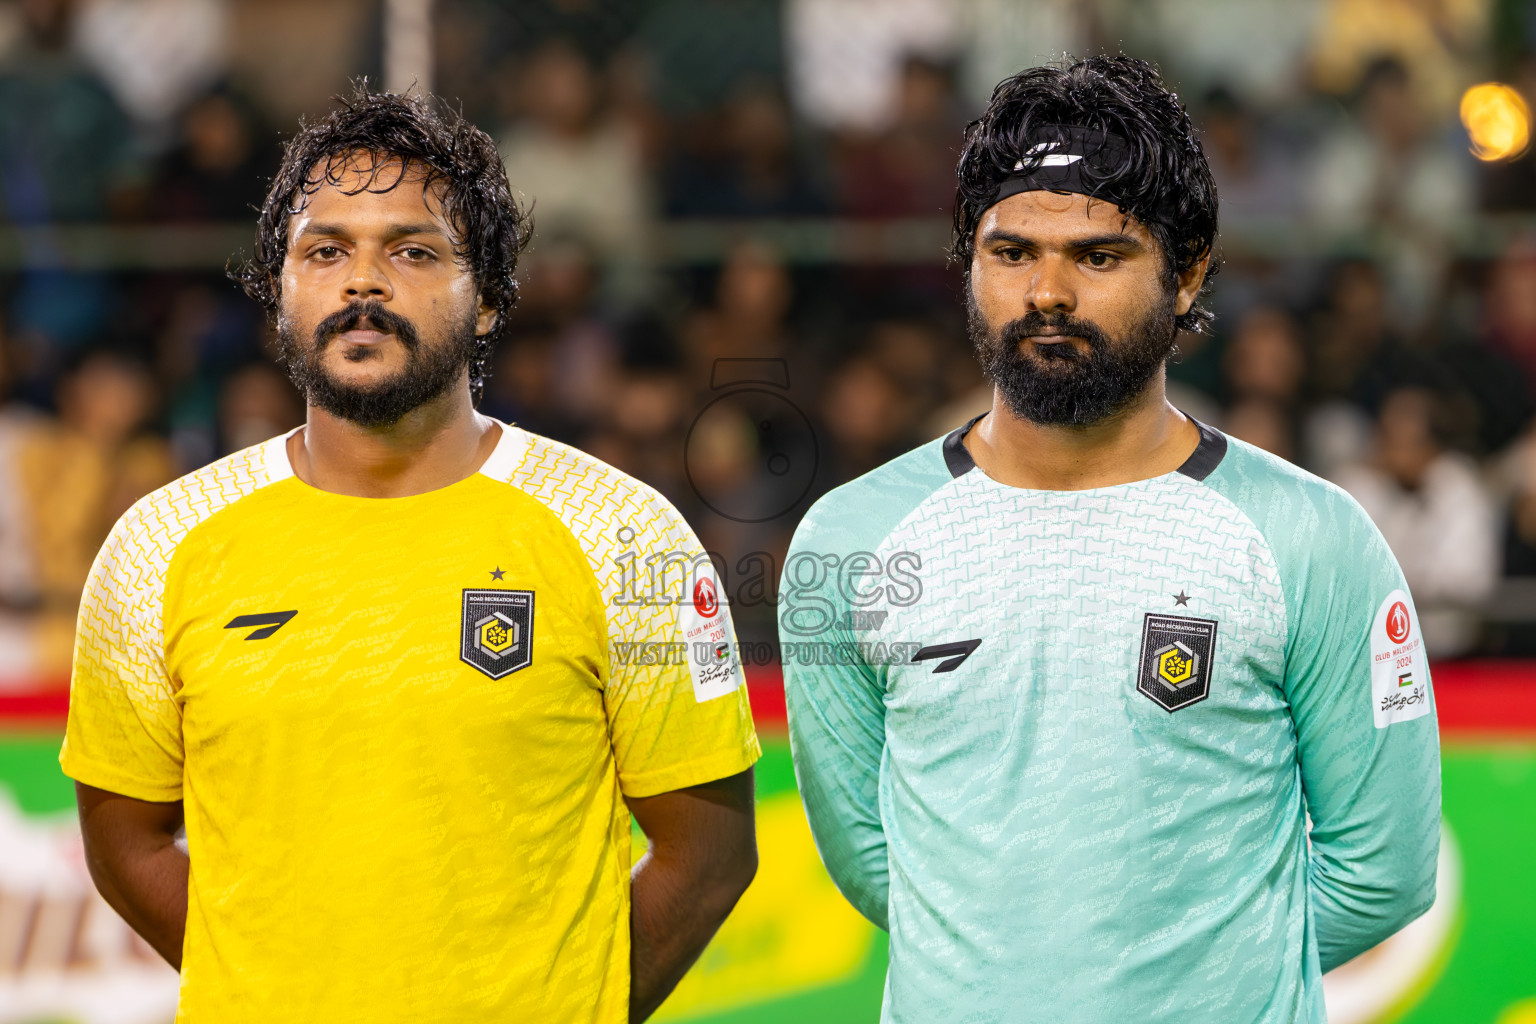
[
  {"x": 1176, "y": 654},
  {"x": 497, "y": 631}
]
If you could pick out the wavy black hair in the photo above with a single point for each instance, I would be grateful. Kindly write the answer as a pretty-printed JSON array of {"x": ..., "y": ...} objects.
[
  {"x": 1164, "y": 180},
  {"x": 460, "y": 162}
]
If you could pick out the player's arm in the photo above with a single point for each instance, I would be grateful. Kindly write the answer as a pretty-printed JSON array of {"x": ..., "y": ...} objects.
[
  {"x": 836, "y": 733},
  {"x": 702, "y": 856},
  {"x": 122, "y": 742},
  {"x": 131, "y": 851},
  {"x": 1372, "y": 785}
]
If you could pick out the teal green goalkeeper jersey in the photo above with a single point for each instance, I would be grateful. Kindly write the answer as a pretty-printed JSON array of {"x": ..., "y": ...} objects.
[{"x": 1065, "y": 745}]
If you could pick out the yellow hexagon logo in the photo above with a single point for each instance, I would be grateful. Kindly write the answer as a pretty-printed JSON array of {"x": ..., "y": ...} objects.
[
  {"x": 1176, "y": 664},
  {"x": 497, "y": 633}
]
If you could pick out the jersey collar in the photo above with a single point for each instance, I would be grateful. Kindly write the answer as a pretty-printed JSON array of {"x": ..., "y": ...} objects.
[{"x": 1200, "y": 464}]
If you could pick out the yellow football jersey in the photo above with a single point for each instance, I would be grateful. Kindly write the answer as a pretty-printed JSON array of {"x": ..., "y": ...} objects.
[{"x": 404, "y": 728}]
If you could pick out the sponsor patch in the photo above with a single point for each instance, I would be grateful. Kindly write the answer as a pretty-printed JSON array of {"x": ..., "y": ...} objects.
[
  {"x": 1176, "y": 656},
  {"x": 496, "y": 631},
  {"x": 712, "y": 658},
  {"x": 1399, "y": 669}
]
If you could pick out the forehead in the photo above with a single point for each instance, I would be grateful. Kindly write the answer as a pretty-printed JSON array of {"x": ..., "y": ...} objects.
[
  {"x": 1059, "y": 216},
  {"x": 362, "y": 189}
]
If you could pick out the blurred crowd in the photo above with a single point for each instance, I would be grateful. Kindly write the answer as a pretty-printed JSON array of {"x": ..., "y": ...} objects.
[{"x": 1376, "y": 307}]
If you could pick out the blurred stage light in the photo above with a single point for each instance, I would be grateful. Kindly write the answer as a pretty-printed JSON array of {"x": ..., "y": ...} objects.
[{"x": 1497, "y": 120}]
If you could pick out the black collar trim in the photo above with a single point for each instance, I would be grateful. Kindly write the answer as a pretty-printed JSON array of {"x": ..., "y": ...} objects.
[
  {"x": 956, "y": 457},
  {"x": 1202, "y": 462}
]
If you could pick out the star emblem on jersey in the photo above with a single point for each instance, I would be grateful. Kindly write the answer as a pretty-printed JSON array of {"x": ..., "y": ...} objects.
[
  {"x": 498, "y": 572},
  {"x": 1181, "y": 598},
  {"x": 496, "y": 631},
  {"x": 1176, "y": 653}
]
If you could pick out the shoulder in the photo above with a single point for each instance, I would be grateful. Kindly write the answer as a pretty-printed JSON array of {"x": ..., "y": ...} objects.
[
  {"x": 574, "y": 484},
  {"x": 137, "y": 554},
  {"x": 158, "y": 522},
  {"x": 1261, "y": 482},
  {"x": 604, "y": 508},
  {"x": 864, "y": 510},
  {"x": 1302, "y": 517}
]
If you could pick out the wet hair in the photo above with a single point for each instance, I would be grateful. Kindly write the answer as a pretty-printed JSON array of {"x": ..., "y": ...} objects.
[
  {"x": 460, "y": 162},
  {"x": 1163, "y": 179}
]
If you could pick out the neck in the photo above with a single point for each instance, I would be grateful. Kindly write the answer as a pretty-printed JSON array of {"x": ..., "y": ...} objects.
[
  {"x": 1147, "y": 438},
  {"x": 434, "y": 445}
]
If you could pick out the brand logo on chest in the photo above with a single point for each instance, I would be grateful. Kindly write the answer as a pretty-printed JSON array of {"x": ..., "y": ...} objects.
[{"x": 1174, "y": 670}]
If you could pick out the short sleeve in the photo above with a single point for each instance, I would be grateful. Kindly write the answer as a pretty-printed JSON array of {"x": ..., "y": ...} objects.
[
  {"x": 673, "y": 688},
  {"x": 676, "y": 695},
  {"x": 124, "y": 729}
]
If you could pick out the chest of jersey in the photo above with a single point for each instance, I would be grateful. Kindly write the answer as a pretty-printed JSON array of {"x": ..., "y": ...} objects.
[
  {"x": 365, "y": 637},
  {"x": 1144, "y": 619}
]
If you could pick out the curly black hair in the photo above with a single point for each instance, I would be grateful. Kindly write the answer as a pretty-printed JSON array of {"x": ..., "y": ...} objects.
[
  {"x": 1164, "y": 180},
  {"x": 460, "y": 161}
]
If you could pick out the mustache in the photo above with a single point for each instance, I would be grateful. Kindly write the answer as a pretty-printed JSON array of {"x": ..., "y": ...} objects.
[
  {"x": 377, "y": 315},
  {"x": 1035, "y": 321}
]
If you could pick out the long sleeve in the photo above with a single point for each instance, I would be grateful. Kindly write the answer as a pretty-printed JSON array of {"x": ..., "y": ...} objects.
[
  {"x": 1358, "y": 682},
  {"x": 836, "y": 722}
]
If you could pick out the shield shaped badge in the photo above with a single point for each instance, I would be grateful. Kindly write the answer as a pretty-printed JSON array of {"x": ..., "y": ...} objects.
[
  {"x": 496, "y": 631},
  {"x": 1176, "y": 653}
]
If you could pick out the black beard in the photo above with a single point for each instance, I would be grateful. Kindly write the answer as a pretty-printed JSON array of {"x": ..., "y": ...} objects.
[
  {"x": 428, "y": 372},
  {"x": 1057, "y": 385}
]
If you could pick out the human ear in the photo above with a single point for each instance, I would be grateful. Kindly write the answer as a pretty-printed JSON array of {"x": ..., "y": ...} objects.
[{"x": 1189, "y": 285}]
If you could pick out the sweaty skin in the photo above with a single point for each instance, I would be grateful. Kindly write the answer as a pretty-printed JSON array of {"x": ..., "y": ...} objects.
[
  {"x": 1071, "y": 254},
  {"x": 395, "y": 247}
]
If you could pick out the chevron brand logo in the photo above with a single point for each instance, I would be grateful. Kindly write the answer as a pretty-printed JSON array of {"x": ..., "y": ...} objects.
[
  {"x": 954, "y": 654},
  {"x": 270, "y": 622}
]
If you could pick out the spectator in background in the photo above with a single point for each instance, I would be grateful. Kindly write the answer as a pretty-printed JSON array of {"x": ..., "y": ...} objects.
[
  {"x": 1436, "y": 515},
  {"x": 907, "y": 169},
  {"x": 75, "y": 476},
  {"x": 865, "y": 416},
  {"x": 750, "y": 316},
  {"x": 1256, "y": 171},
  {"x": 560, "y": 306},
  {"x": 67, "y": 151},
  {"x": 1440, "y": 39},
  {"x": 523, "y": 389},
  {"x": 257, "y": 401},
  {"x": 1357, "y": 356},
  {"x": 1390, "y": 168},
  {"x": 846, "y": 57},
  {"x": 580, "y": 171},
  {"x": 1509, "y": 308},
  {"x": 19, "y": 427},
  {"x": 1264, "y": 368},
  {"x": 220, "y": 166},
  {"x": 703, "y": 50},
  {"x": 67, "y": 154},
  {"x": 750, "y": 165}
]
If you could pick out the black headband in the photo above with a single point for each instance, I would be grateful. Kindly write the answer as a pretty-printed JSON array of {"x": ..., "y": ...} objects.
[{"x": 1065, "y": 158}]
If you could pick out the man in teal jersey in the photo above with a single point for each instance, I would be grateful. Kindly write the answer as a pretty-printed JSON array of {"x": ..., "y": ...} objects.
[{"x": 1066, "y": 686}]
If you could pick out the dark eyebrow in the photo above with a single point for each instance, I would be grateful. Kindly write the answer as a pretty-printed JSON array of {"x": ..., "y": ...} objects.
[
  {"x": 1117, "y": 240},
  {"x": 1113, "y": 240},
  {"x": 401, "y": 230},
  {"x": 322, "y": 229},
  {"x": 395, "y": 230}
]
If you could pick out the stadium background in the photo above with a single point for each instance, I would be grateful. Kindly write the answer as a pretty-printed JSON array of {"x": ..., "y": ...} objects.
[{"x": 737, "y": 291}]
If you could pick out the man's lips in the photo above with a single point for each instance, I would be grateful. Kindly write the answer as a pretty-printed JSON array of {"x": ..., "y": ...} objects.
[
  {"x": 364, "y": 336},
  {"x": 1049, "y": 336}
]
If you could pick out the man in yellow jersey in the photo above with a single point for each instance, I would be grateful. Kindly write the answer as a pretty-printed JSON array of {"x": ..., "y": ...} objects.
[{"x": 396, "y": 672}]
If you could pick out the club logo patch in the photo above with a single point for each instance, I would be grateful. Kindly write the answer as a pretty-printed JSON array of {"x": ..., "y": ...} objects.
[
  {"x": 1176, "y": 655},
  {"x": 496, "y": 633}
]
